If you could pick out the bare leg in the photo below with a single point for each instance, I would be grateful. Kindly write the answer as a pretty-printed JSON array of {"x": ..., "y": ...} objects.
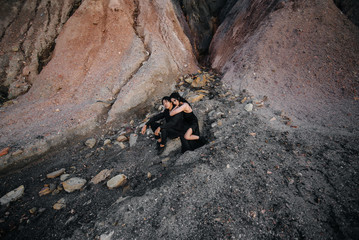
[{"x": 189, "y": 136}]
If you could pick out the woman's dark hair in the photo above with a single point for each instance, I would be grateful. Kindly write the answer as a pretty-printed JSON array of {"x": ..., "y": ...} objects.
[{"x": 176, "y": 95}]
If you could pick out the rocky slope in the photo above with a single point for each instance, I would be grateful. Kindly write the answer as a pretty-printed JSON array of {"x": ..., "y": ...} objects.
[
  {"x": 281, "y": 118},
  {"x": 257, "y": 178},
  {"x": 100, "y": 72},
  {"x": 288, "y": 59}
]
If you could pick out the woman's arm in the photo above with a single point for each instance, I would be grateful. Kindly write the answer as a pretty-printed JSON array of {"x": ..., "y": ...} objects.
[{"x": 178, "y": 109}]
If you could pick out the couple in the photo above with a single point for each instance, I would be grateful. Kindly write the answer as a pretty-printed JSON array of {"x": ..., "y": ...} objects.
[{"x": 180, "y": 121}]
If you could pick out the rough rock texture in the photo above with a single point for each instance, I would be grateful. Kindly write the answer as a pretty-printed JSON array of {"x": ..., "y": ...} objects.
[
  {"x": 279, "y": 183},
  {"x": 301, "y": 54},
  {"x": 350, "y": 8},
  {"x": 28, "y": 30},
  {"x": 111, "y": 59},
  {"x": 202, "y": 19}
]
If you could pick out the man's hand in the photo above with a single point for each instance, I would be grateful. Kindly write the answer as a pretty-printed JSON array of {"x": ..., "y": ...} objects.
[
  {"x": 157, "y": 132},
  {"x": 144, "y": 128}
]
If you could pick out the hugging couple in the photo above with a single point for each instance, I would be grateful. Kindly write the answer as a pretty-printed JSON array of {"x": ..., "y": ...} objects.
[{"x": 180, "y": 121}]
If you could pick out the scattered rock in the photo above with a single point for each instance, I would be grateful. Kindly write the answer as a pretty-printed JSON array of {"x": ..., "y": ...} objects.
[
  {"x": 73, "y": 184},
  {"x": 107, "y": 236},
  {"x": 196, "y": 98},
  {"x": 199, "y": 82},
  {"x": 117, "y": 181},
  {"x": 13, "y": 195},
  {"x": 63, "y": 177},
  {"x": 90, "y": 142},
  {"x": 248, "y": 107},
  {"x": 189, "y": 80},
  {"x": 252, "y": 134},
  {"x": 133, "y": 139},
  {"x": 56, "y": 173},
  {"x": 122, "y": 138},
  {"x": 33, "y": 210},
  {"x": 272, "y": 119},
  {"x": 172, "y": 146},
  {"x": 60, "y": 204},
  {"x": 26, "y": 71},
  {"x": 4, "y": 151},
  {"x": 101, "y": 176},
  {"x": 17, "y": 152},
  {"x": 149, "y": 175},
  {"x": 44, "y": 191},
  {"x": 107, "y": 142},
  {"x": 121, "y": 144}
]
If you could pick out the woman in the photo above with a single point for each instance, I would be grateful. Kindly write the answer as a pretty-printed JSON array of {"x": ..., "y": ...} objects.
[{"x": 190, "y": 121}]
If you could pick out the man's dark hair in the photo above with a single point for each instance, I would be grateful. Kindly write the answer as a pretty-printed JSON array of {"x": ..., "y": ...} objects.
[{"x": 167, "y": 98}]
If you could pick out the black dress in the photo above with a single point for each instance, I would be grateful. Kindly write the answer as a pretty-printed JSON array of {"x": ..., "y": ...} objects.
[{"x": 191, "y": 121}]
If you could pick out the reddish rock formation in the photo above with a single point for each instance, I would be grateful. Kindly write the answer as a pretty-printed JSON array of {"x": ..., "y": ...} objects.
[
  {"x": 113, "y": 58},
  {"x": 127, "y": 54}
]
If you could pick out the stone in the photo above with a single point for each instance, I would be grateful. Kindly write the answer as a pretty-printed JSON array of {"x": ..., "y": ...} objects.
[
  {"x": 13, "y": 195},
  {"x": 117, "y": 181},
  {"x": 4, "y": 151},
  {"x": 59, "y": 204},
  {"x": 90, "y": 142},
  {"x": 133, "y": 139},
  {"x": 63, "y": 177},
  {"x": 73, "y": 184},
  {"x": 188, "y": 80},
  {"x": 17, "y": 152},
  {"x": 248, "y": 107},
  {"x": 165, "y": 160},
  {"x": 199, "y": 82},
  {"x": 107, "y": 236},
  {"x": 33, "y": 210},
  {"x": 26, "y": 71},
  {"x": 44, "y": 191},
  {"x": 172, "y": 146},
  {"x": 121, "y": 144},
  {"x": 107, "y": 142},
  {"x": 56, "y": 173},
  {"x": 196, "y": 98},
  {"x": 149, "y": 175},
  {"x": 122, "y": 138},
  {"x": 101, "y": 176}
]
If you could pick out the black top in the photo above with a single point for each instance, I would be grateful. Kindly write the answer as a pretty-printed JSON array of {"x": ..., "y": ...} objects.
[{"x": 175, "y": 122}]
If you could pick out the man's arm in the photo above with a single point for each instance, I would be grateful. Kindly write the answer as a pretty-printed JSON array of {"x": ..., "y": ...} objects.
[
  {"x": 176, "y": 120},
  {"x": 155, "y": 118}
]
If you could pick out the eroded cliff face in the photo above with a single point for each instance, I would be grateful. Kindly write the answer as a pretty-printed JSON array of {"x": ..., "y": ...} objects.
[
  {"x": 110, "y": 60},
  {"x": 28, "y": 30}
]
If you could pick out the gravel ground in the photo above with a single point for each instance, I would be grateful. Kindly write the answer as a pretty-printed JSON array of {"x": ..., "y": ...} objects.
[{"x": 259, "y": 177}]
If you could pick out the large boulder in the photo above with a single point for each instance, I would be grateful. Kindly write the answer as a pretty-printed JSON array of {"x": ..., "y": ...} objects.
[{"x": 111, "y": 60}]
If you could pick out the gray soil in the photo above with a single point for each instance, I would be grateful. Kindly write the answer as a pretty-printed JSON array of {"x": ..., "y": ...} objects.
[{"x": 257, "y": 178}]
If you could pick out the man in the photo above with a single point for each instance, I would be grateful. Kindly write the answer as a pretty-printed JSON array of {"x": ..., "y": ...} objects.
[{"x": 172, "y": 128}]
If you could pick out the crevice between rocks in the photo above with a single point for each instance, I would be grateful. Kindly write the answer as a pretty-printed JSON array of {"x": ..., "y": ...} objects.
[
  {"x": 135, "y": 26},
  {"x": 45, "y": 55}
]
